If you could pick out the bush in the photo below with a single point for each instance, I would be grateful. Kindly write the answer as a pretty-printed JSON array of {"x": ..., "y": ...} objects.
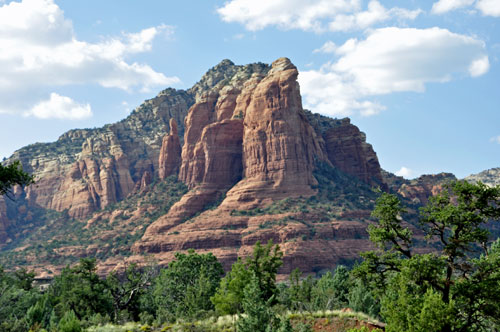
[{"x": 69, "y": 323}]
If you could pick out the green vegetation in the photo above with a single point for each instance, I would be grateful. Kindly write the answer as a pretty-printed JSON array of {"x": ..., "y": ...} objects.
[
  {"x": 337, "y": 192},
  {"x": 12, "y": 175},
  {"x": 454, "y": 288},
  {"x": 111, "y": 235},
  {"x": 175, "y": 298}
]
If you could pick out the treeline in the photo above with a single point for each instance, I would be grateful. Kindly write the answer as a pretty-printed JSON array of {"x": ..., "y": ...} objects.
[
  {"x": 455, "y": 286},
  {"x": 192, "y": 287}
]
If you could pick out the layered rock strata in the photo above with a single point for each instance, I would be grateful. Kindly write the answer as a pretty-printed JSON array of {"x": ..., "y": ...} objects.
[
  {"x": 240, "y": 140},
  {"x": 170, "y": 153},
  {"x": 257, "y": 132},
  {"x": 86, "y": 170}
]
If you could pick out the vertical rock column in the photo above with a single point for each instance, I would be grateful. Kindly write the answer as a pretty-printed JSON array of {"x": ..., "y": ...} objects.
[{"x": 170, "y": 153}]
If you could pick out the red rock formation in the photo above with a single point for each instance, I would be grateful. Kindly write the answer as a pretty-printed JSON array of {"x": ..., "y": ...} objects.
[
  {"x": 279, "y": 145},
  {"x": 420, "y": 189},
  {"x": 4, "y": 221},
  {"x": 86, "y": 170},
  {"x": 193, "y": 161},
  {"x": 274, "y": 148},
  {"x": 170, "y": 153},
  {"x": 246, "y": 136},
  {"x": 347, "y": 149}
]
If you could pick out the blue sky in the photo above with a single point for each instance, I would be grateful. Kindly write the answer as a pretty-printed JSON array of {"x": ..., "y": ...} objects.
[{"x": 420, "y": 78}]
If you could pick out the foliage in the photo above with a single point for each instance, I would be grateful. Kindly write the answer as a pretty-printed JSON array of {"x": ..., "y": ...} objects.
[
  {"x": 126, "y": 290},
  {"x": 259, "y": 316},
  {"x": 69, "y": 322},
  {"x": 362, "y": 299},
  {"x": 330, "y": 292},
  {"x": 300, "y": 292},
  {"x": 80, "y": 290},
  {"x": 457, "y": 286},
  {"x": 12, "y": 175},
  {"x": 16, "y": 297},
  {"x": 184, "y": 289},
  {"x": 264, "y": 264},
  {"x": 228, "y": 298}
]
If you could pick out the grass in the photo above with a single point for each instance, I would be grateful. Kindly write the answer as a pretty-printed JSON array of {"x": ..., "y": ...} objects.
[{"x": 339, "y": 320}]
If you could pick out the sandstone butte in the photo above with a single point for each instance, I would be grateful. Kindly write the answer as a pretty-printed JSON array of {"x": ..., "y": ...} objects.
[{"x": 240, "y": 140}]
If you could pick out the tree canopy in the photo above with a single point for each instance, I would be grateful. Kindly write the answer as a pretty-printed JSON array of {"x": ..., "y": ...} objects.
[{"x": 455, "y": 287}]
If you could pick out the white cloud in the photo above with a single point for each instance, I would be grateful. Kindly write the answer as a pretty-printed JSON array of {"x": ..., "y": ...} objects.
[
  {"x": 479, "y": 67},
  {"x": 489, "y": 7},
  {"x": 39, "y": 51},
  {"x": 495, "y": 139},
  {"x": 309, "y": 15},
  {"x": 389, "y": 60},
  {"x": 60, "y": 107},
  {"x": 404, "y": 172},
  {"x": 444, "y": 6},
  {"x": 375, "y": 13},
  {"x": 328, "y": 47}
]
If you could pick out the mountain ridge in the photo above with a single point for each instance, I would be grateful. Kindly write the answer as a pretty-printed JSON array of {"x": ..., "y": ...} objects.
[{"x": 256, "y": 165}]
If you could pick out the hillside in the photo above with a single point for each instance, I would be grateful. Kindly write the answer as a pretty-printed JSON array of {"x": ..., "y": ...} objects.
[{"x": 231, "y": 161}]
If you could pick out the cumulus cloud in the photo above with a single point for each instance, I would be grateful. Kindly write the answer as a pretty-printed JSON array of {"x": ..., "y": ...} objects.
[
  {"x": 60, "y": 107},
  {"x": 479, "y": 67},
  {"x": 486, "y": 7},
  {"x": 444, "y": 6},
  {"x": 309, "y": 15},
  {"x": 390, "y": 60},
  {"x": 404, "y": 172},
  {"x": 375, "y": 13},
  {"x": 489, "y": 7},
  {"x": 39, "y": 49}
]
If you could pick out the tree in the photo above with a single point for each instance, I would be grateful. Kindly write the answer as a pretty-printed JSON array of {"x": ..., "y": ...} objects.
[
  {"x": 264, "y": 264},
  {"x": 126, "y": 290},
  {"x": 259, "y": 316},
  {"x": 80, "y": 290},
  {"x": 12, "y": 175},
  {"x": 330, "y": 292},
  {"x": 183, "y": 290},
  {"x": 454, "y": 288},
  {"x": 16, "y": 297},
  {"x": 228, "y": 298},
  {"x": 300, "y": 291}
]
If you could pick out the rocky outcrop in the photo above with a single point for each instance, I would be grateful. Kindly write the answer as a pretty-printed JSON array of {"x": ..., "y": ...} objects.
[
  {"x": 170, "y": 153},
  {"x": 420, "y": 189},
  {"x": 240, "y": 141},
  {"x": 279, "y": 145},
  {"x": 86, "y": 170},
  {"x": 261, "y": 135},
  {"x": 4, "y": 221},
  {"x": 490, "y": 177},
  {"x": 347, "y": 150}
]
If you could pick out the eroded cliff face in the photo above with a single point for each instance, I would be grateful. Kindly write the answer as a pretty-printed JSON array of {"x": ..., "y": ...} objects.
[
  {"x": 420, "y": 189},
  {"x": 86, "y": 170},
  {"x": 240, "y": 141},
  {"x": 4, "y": 221},
  {"x": 254, "y": 138},
  {"x": 170, "y": 153},
  {"x": 348, "y": 150}
]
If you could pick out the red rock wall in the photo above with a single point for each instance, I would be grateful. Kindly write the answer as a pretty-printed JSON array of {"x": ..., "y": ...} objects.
[
  {"x": 347, "y": 149},
  {"x": 170, "y": 153}
]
